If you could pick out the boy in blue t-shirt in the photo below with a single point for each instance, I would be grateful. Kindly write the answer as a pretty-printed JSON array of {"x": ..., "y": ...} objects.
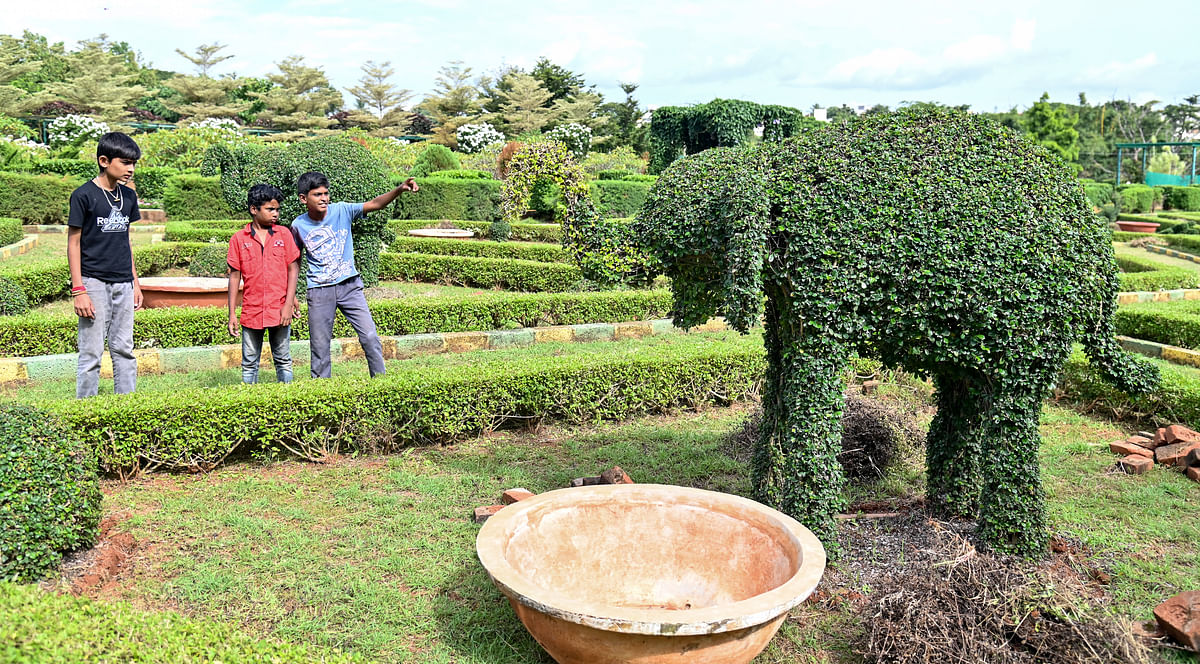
[{"x": 323, "y": 233}]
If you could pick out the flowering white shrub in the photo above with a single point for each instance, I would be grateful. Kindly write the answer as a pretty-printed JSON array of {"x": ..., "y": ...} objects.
[
  {"x": 475, "y": 137},
  {"x": 577, "y": 138},
  {"x": 223, "y": 124},
  {"x": 25, "y": 143},
  {"x": 75, "y": 129}
]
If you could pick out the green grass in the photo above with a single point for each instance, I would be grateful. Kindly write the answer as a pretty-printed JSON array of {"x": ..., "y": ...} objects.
[
  {"x": 1170, "y": 261},
  {"x": 375, "y": 556}
]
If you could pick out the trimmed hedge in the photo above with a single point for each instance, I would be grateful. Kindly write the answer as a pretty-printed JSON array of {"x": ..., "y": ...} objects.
[
  {"x": 151, "y": 181},
  {"x": 51, "y": 278},
  {"x": 1138, "y": 197},
  {"x": 519, "y": 232},
  {"x": 1172, "y": 323},
  {"x": 197, "y": 197},
  {"x": 1181, "y": 198},
  {"x": 37, "y": 199},
  {"x": 1098, "y": 194},
  {"x": 618, "y": 198},
  {"x": 527, "y": 276},
  {"x": 13, "y": 301},
  {"x": 462, "y": 174},
  {"x": 450, "y": 198},
  {"x": 186, "y": 231},
  {"x": 1126, "y": 236},
  {"x": 10, "y": 231},
  {"x": 1176, "y": 400},
  {"x": 58, "y": 628},
  {"x": 1143, "y": 274},
  {"x": 1188, "y": 243},
  {"x": 201, "y": 427},
  {"x": 545, "y": 253},
  {"x": 49, "y": 494},
  {"x": 81, "y": 169},
  {"x": 25, "y": 336}
]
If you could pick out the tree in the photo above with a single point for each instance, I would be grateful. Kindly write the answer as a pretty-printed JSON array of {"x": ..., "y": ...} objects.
[
  {"x": 524, "y": 106},
  {"x": 581, "y": 108},
  {"x": 202, "y": 97},
  {"x": 624, "y": 126},
  {"x": 1054, "y": 127},
  {"x": 560, "y": 82},
  {"x": 13, "y": 65},
  {"x": 301, "y": 96},
  {"x": 206, "y": 57},
  {"x": 491, "y": 87},
  {"x": 374, "y": 92},
  {"x": 101, "y": 82},
  {"x": 453, "y": 102},
  {"x": 51, "y": 60}
]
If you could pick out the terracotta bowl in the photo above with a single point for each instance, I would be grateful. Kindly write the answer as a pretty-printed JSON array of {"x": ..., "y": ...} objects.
[
  {"x": 652, "y": 574},
  {"x": 442, "y": 232},
  {"x": 185, "y": 292},
  {"x": 1137, "y": 226}
]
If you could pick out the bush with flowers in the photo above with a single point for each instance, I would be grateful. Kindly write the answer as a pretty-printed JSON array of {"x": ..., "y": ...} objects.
[
  {"x": 474, "y": 138},
  {"x": 185, "y": 147},
  {"x": 577, "y": 138},
  {"x": 74, "y": 129}
]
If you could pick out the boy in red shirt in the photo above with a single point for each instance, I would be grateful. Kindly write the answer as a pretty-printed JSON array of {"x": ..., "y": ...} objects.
[{"x": 265, "y": 257}]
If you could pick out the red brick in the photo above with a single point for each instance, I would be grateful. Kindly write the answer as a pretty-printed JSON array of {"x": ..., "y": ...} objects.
[
  {"x": 1125, "y": 448},
  {"x": 1141, "y": 441},
  {"x": 615, "y": 475},
  {"x": 484, "y": 513},
  {"x": 1160, "y": 437},
  {"x": 1193, "y": 473},
  {"x": 1135, "y": 464},
  {"x": 1189, "y": 448},
  {"x": 1179, "y": 617},
  {"x": 515, "y": 495},
  {"x": 869, "y": 386},
  {"x": 1193, "y": 458},
  {"x": 1177, "y": 433},
  {"x": 1172, "y": 455}
]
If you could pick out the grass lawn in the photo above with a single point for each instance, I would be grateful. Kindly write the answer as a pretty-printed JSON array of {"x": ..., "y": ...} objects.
[
  {"x": 1122, "y": 249},
  {"x": 376, "y": 555}
]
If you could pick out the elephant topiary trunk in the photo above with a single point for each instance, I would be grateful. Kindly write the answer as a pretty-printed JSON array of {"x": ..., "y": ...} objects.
[{"x": 936, "y": 241}]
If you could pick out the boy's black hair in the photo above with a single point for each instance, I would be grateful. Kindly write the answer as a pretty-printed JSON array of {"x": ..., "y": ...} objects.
[
  {"x": 309, "y": 181},
  {"x": 116, "y": 145},
  {"x": 261, "y": 194}
]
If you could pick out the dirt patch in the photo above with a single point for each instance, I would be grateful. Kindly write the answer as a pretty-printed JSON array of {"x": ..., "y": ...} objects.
[{"x": 90, "y": 571}]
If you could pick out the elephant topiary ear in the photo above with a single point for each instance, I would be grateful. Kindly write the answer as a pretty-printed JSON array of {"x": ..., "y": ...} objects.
[{"x": 745, "y": 214}]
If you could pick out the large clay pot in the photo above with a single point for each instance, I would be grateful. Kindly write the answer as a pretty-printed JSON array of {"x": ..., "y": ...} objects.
[
  {"x": 185, "y": 292},
  {"x": 1137, "y": 226},
  {"x": 653, "y": 574}
]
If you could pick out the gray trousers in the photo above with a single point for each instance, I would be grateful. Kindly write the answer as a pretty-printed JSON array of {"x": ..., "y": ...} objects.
[
  {"x": 114, "y": 321},
  {"x": 323, "y": 304},
  {"x": 281, "y": 352}
]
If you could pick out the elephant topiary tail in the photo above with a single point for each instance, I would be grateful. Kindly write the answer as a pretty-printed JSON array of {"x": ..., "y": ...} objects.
[{"x": 1128, "y": 373}]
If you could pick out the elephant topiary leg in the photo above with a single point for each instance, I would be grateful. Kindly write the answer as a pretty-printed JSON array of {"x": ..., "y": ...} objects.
[
  {"x": 952, "y": 448},
  {"x": 1012, "y": 516}
]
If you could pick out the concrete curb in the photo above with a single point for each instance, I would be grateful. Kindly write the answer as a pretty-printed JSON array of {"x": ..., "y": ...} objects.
[
  {"x": 26, "y": 244},
  {"x": 1155, "y": 249},
  {"x": 204, "y": 358},
  {"x": 1133, "y": 297},
  {"x": 1172, "y": 354}
]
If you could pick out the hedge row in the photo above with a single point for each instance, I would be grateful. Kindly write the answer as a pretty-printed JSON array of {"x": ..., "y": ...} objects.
[
  {"x": 80, "y": 169},
  {"x": 1138, "y": 197},
  {"x": 1172, "y": 323},
  {"x": 58, "y": 628},
  {"x": 198, "y": 428},
  {"x": 1188, "y": 243},
  {"x": 545, "y": 253},
  {"x": 1144, "y": 274},
  {"x": 36, "y": 199},
  {"x": 1181, "y": 198},
  {"x": 520, "y": 232},
  {"x": 1126, "y": 236},
  {"x": 618, "y": 198},
  {"x": 197, "y": 197},
  {"x": 1177, "y": 399},
  {"x": 1098, "y": 194},
  {"x": 150, "y": 181},
  {"x": 186, "y": 231},
  {"x": 506, "y": 273},
  {"x": 450, "y": 198},
  {"x": 25, "y": 336},
  {"x": 10, "y": 231},
  {"x": 51, "y": 278}
]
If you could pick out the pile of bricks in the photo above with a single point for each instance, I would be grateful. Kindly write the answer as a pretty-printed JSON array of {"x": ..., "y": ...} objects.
[
  {"x": 613, "y": 475},
  {"x": 1175, "y": 447}
]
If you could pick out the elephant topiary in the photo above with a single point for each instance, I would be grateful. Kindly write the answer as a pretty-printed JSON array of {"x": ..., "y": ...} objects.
[{"x": 936, "y": 241}]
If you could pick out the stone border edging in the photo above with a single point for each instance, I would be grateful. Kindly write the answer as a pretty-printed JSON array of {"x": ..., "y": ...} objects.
[
  {"x": 1155, "y": 249},
  {"x": 1133, "y": 297},
  {"x": 1172, "y": 354},
  {"x": 153, "y": 361},
  {"x": 23, "y": 246}
]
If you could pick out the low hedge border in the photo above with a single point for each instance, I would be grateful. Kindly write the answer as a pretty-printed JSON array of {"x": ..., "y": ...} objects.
[
  {"x": 1182, "y": 246},
  {"x": 37, "y": 199},
  {"x": 22, "y": 246},
  {"x": 199, "y": 428},
  {"x": 540, "y": 252},
  {"x": 34, "y": 334},
  {"x": 1126, "y": 236},
  {"x": 506, "y": 273},
  {"x": 1177, "y": 399},
  {"x": 57, "y": 628},
  {"x": 1175, "y": 323},
  {"x": 1145, "y": 274},
  {"x": 11, "y": 231},
  {"x": 51, "y": 279},
  {"x": 154, "y": 361},
  {"x": 520, "y": 232}
]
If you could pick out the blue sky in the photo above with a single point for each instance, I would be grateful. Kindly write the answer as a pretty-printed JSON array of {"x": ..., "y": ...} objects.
[{"x": 990, "y": 55}]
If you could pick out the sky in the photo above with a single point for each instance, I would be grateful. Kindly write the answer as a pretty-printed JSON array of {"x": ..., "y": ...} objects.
[{"x": 990, "y": 55}]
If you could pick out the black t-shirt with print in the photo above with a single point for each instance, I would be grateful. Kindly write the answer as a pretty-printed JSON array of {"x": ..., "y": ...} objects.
[{"x": 104, "y": 238}]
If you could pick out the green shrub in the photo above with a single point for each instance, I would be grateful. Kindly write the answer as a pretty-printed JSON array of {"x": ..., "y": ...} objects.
[
  {"x": 151, "y": 181},
  {"x": 197, "y": 197},
  {"x": 49, "y": 494},
  {"x": 80, "y": 169},
  {"x": 210, "y": 261},
  {"x": 51, "y": 627},
  {"x": 1137, "y": 197},
  {"x": 186, "y": 231},
  {"x": 36, "y": 199},
  {"x": 622, "y": 158},
  {"x": 638, "y": 177},
  {"x": 1098, "y": 194},
  {"x": 1176, "y": 400},
  {"x": 531, "y": 232},
  {"x": 200, "y": 427},
  {"x": 450, "y": 198},
  {"x": 613, "y": 174},
  {"x": 11, "y": 231},
  {"x": 543, "y": 199},
  {"x": 1146, "y": 274},
  {"x": 186, "y": 147},
  {"x": 40, "y": 334},
  {"x": 545, "y": 253},
  {"x": 1172, "y": 323},
  {"x": 1188, "y": 243},
  {"x": 618, "y": 198},
  {"x": 462, "y": 174},
  {"x": 1181, "y": 198},
  {"x": 434, "y": 158},
  {"x": 12, "y": 299},
  {"x": 1126, "y": 236},
  {"x": 527, "y": 276}
]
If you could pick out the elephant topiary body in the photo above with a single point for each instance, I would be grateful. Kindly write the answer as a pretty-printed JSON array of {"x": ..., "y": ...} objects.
[{"x": 937, "y": 241}]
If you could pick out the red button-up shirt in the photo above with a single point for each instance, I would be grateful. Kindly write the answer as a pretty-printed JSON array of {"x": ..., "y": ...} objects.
[{"x": 264, "y": 271}]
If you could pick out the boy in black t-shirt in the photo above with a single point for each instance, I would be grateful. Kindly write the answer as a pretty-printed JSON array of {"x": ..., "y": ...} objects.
[{"x": 104, "y": 283}]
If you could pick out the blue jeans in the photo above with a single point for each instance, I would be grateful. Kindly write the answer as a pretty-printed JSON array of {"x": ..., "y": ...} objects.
[
  {"x": 281, "y": 352},
  {"x": 323, "y": 304}
]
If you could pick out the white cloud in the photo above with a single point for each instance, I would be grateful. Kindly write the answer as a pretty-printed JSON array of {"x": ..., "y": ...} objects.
[{"x": 1120, "y": 72}]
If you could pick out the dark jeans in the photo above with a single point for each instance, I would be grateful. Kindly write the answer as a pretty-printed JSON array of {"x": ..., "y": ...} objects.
[
  {"x": 323, "y": 305},
  {"x": 281, "y": 352}
]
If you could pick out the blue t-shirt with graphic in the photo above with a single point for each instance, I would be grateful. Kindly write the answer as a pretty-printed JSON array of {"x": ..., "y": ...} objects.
[{"x": 328, "y": 244}]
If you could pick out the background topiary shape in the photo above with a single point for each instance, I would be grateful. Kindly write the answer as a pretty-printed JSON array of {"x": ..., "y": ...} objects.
[
  {"x": 355, "y": 176},
  {"x": 435, "y": 158},
  {"x": 210, "y": 261},
  {"x": 49, "y": 494},
  {"x": 936, "y": 241}
]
